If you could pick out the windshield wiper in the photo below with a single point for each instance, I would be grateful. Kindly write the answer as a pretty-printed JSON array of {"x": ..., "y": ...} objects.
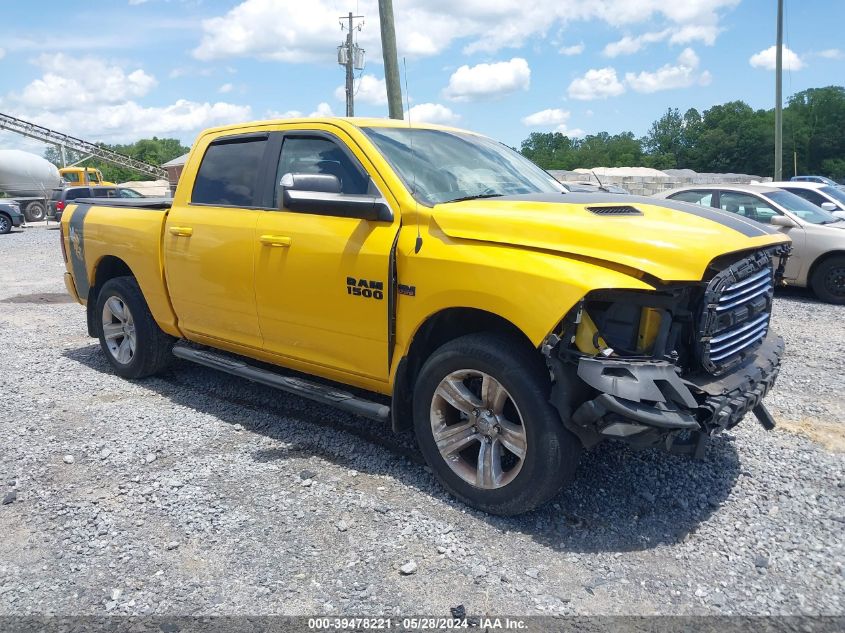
[{"x": 477, "y": 196}]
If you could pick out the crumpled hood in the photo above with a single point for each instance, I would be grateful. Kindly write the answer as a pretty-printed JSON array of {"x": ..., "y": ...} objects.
[{"x": 672, "y": 241}]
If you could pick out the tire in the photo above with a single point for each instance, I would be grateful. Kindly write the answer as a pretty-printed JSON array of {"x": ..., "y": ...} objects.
[
  {"x": 828, "y": 281},
  {"x": 35, "y": 212},
  {"x": 131, "y": 339},
  {"x": 5, "y": 224},
  {"x": 474, "y": 371}
]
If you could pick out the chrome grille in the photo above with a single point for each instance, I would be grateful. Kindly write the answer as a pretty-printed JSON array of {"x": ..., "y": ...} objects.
[{"x": 736, "y": 314}]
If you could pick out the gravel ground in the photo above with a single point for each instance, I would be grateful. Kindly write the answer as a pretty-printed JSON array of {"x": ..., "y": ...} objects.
[{"x": 198, "y": 493}]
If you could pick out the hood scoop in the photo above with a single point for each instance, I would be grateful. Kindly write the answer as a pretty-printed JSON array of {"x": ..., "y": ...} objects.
[{"x": 615, "y": 210}]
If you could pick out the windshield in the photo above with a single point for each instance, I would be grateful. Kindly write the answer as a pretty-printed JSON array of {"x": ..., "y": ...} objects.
[
  {"x": 804, "y": 209},
  {"x": 438, "y": 166},
  {"x": 836, "y": 193}
]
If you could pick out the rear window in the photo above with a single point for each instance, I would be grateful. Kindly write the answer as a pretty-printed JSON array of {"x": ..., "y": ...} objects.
[
  {"x": 228, "y": 175},
  {"x": 100, "y": 192}
]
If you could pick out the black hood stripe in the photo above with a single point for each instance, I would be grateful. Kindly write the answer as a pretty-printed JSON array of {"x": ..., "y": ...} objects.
[{"x": 749, "y": 228}]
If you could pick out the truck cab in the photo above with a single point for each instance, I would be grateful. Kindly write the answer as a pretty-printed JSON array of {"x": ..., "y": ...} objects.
[{"x": 80, "y": 176}]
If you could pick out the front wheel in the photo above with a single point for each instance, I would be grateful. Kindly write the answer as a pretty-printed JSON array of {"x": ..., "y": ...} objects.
[
  {"x": 828, "y": 280},
  {"x": 485, "y": 426},
  {"x": 131, "y": 339}
]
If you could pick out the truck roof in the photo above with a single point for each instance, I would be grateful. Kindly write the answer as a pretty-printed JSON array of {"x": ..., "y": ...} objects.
[{"x": 359, "y": 122}]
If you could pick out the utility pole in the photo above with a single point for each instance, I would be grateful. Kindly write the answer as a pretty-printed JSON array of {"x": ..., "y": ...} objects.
[
  {"x": 391, "y": 61},
  {"x": 779, "y": 98},
  {"x": 352, "y": 57}
]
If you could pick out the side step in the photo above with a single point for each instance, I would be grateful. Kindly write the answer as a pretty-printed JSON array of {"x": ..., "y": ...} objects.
[{"x": 311, "y": 390}]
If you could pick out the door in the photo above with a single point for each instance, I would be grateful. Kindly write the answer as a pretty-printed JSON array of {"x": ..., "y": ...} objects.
[
  {"x": 756, "y": 208},
  {"x": 321, "y": 280},
  {"x": 209, "y": 242}
]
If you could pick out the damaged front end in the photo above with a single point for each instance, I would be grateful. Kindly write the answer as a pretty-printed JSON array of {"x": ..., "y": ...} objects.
[{"x": 671, "y": 367}]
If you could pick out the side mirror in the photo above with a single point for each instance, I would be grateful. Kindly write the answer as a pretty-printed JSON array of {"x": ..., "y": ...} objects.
[
  {"x": 319, "y": 194},
  {"x": 829, "y": 206},
  {"x": 782, "y": 220}
]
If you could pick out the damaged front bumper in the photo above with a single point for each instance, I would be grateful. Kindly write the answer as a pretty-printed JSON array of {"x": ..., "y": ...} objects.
[{"x": 647, "y": 403}]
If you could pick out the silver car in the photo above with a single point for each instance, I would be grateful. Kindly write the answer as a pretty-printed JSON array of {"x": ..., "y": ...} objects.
[{"x": 818, "y": 238}]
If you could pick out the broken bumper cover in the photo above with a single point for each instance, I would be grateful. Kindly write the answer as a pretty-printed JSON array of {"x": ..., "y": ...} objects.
[{"x": 649, "y": 398}]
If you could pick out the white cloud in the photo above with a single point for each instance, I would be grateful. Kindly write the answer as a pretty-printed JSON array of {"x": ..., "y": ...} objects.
[
  {"x": 668, "y": 77},
  {"x": 575, "y": 49},
  {"x": 100, "y": 83},
  {"x": 2, "y": 53},
  {"x": 368, "y": 89},
  {"x": 226, "y": 88},
  {"x": 705, "y": 33},
  {"x": 295, "y": 31},
  {"x": 323, "y": 110},
  {"x": 766, "y": 59},
  {"x": 432, "y": 113},
  {"x": 129, "y": 121},
  {"x": 100, "y": 104},
  {"x": 133, "y": 2},
  {"x": 552, "y": 118},
  {"x": 629, "y": 45},
  {"x": 830, "y": 53},
  {"x": 597, "y": 83},
  {"x": 488, "y": 80}
]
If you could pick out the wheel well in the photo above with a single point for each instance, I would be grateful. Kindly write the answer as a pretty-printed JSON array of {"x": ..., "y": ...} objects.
[
  {"x": 438, "y": 330},
  {"x": 107, "y": 268},
  {"x": 819, "y": 261}
]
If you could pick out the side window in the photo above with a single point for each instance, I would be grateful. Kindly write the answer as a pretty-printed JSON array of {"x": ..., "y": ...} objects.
[
  {"x": 315, "y": 155},
  {"x": 704, "y": 198},
  {"x": 748, "y": 206},
  {"x": 228, "y": 175},
  {"x": 809, "y": 195},
  {"x": 71, "y": 177},
  {"x": 81, "y": 192}
]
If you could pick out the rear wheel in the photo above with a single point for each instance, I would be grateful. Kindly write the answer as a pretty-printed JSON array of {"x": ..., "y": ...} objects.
[
  {"x": 131, "y": 339},
  {"x": 35, "y": 212},
  {"x": 5, "y": 224},
  {"x": 485, "y": 426},
  {"x": 828, "y": 280}
]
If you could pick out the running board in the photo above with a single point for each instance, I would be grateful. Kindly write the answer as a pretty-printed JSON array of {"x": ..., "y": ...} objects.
[{"x": 311, "y": 390}]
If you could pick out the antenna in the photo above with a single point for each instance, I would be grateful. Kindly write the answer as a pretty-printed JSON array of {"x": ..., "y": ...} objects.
[
  {"x": 419, "y": 241},
  {"x": 601, "y": 186}
]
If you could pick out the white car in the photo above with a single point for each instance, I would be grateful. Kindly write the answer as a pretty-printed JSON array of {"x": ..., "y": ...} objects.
[{"x": 828, "y": 197}]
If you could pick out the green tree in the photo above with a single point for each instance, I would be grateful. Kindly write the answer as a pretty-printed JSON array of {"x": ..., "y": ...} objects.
[
  {"x": 155, "y": 151},
  {"x": 664, "y": 142}
]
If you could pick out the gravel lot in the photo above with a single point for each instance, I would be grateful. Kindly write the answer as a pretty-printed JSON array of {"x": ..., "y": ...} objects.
[{"x": 198, "y": 493}]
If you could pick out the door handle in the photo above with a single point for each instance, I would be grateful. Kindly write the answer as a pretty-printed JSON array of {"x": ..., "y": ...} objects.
[
  {"x": 275, "y": 240},
  {"x": 181, "y": 231}
]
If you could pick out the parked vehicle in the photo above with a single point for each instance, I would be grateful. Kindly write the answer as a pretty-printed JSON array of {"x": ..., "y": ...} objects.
[
  {"x": 62, "y": 197},
  {"x": 818, "y": 239},
  {"x": 823, "y": 180},
  {"x": 828, "y": 198},
  {"x": 452, "y": 284},
  {"x": 10, "y": 216},
  {"x": 28, "y": 179}
]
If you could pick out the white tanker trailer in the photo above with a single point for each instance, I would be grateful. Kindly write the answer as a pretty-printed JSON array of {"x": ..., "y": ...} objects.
[{"x": 28, "y": 179}]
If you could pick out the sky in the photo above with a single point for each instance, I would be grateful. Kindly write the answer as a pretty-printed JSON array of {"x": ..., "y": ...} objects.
[{"x": 119, "y": 70}]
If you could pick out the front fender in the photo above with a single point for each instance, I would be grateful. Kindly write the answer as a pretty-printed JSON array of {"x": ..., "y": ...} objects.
[{"x": 531, "y": 289}]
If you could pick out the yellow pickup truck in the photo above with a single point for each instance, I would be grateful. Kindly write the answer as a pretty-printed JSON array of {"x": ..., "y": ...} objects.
[{"x": 436, "y": 279}]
